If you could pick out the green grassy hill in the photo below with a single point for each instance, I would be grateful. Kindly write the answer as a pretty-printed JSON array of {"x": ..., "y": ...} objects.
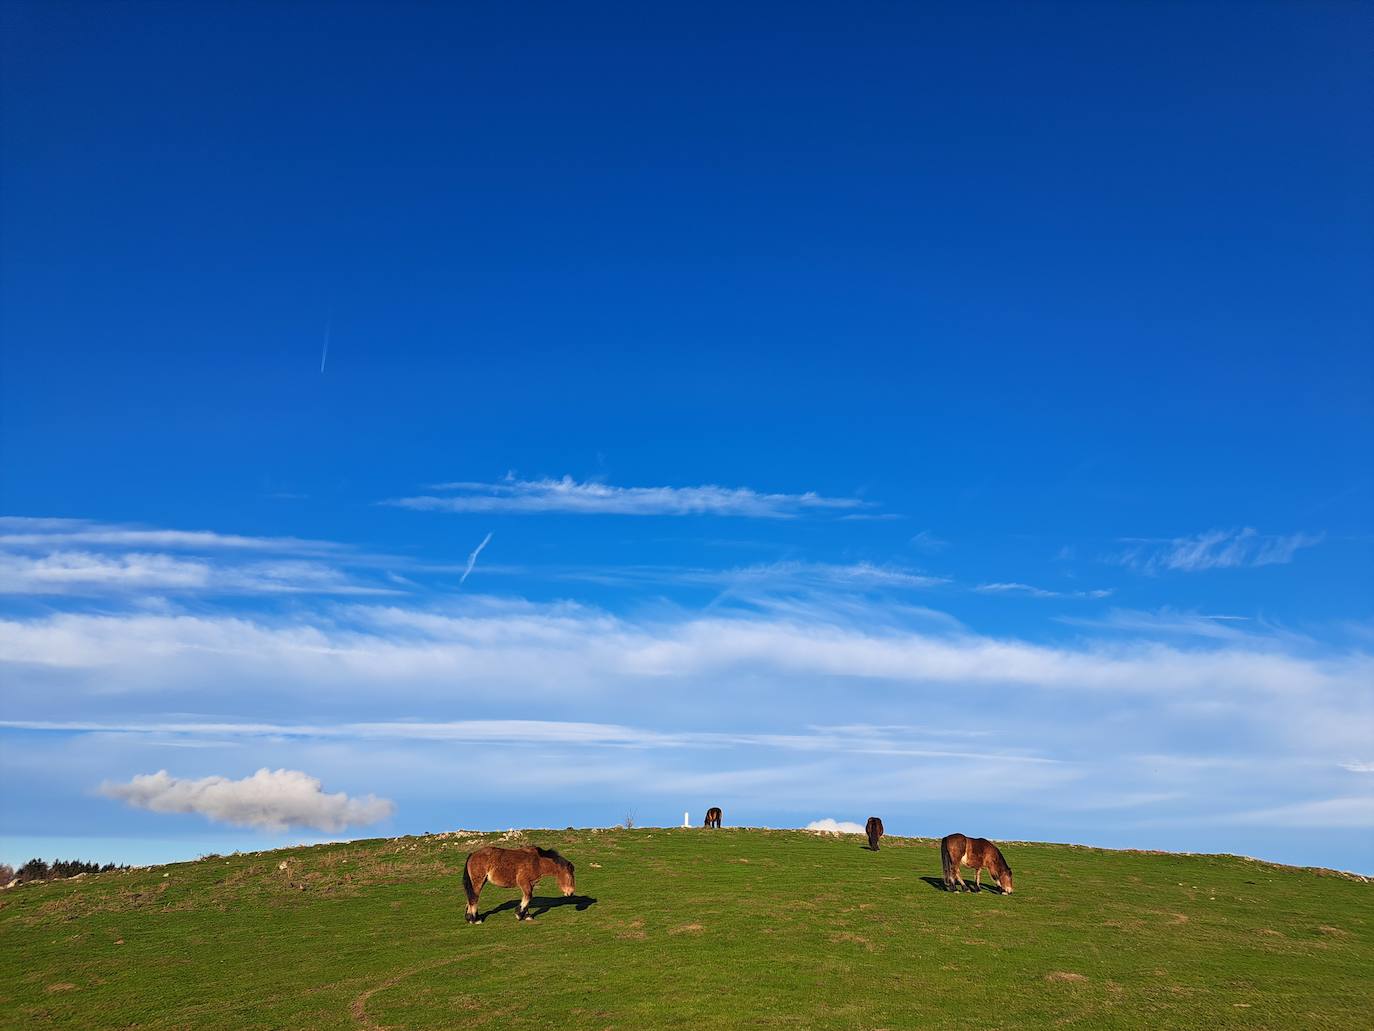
[{"x": 691, "y": 928}]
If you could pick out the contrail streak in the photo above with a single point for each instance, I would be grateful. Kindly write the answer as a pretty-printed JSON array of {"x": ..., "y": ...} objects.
[
  {"x": 324, "y": 355},
  {"x": 472, "y": 559}
]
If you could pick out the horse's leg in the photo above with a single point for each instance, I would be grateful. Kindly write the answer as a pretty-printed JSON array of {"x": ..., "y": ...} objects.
[
  {"x": 526, "y": 892},
  {"x": 959, "y": 877},
  {"x": 473, "y": 892},
  {"x": 978, "y": 880}
]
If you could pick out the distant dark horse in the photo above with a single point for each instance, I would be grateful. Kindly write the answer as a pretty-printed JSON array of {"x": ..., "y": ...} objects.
[
  {"x": 713, "y": 816},
  {"x": 979, "y": 853},
  {"x": 874, "y": 829},
  {"x": 513, "y": 868}
]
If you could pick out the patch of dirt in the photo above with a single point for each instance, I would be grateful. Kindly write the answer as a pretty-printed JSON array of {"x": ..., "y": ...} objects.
[
  {"x": 1064, "y": 975},
  {"x": 62, "y": 986},
  {"x": 1335, "y": 932},
  {"x": 687, "y": 929},
  {"x": 1271, "y": 932},
  {"x": 1179, "y": 918},
  {"x": 634, "y": 930},
  {"x": 857, "y": 939}
]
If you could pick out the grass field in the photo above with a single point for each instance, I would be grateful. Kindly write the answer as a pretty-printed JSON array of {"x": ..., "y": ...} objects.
[{"x": 691, "y": 928}]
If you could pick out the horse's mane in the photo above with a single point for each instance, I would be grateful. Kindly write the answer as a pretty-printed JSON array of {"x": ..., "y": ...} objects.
[{"x": 549, "y": 853}]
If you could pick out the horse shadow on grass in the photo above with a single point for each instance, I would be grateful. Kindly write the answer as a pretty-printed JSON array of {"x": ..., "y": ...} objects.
[
  {"x": 538, "y": 906},
  {"x": 939, "y": 885}
]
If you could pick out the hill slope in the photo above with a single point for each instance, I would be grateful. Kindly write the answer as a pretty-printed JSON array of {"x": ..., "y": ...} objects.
[{"x": 691, "y": 928}]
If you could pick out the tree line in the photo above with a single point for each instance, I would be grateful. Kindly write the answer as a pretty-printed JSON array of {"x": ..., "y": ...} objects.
[{"x": 38, "y": 870}]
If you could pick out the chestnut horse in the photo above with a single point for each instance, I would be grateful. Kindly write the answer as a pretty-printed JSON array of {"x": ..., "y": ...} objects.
[
  {"x": 513, "y": 868},
  {"x": 979, "y": 853},
  {"x": 874, "y": 829},
  {"x": 713, "y": 817}
]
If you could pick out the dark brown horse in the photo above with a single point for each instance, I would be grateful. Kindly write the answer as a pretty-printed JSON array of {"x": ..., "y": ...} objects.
[
  {"x": 713, "y": 816},
  {"x": 513, "y": 868},
  {"x": 979, "y": 853},
  {"x": 874, "y": 829}
]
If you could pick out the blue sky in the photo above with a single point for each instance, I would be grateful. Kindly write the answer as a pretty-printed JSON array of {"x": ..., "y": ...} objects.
[{"x": 960, "y": 413}]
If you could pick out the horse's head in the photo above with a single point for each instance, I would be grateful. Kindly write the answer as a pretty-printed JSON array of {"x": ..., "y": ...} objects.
[
  {"x": 566, "y": 883},
  {"x": 1004, "y": 880}
]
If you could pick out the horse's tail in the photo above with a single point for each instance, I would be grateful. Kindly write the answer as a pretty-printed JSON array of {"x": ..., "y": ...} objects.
[
  {"x": 467, "y": 883},
  {"x": 945, "y": 864}
]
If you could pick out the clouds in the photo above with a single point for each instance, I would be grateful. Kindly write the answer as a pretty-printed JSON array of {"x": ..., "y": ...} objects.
[
  {"x": 584, "y": 498},
  {"x": 491, "y": 650},
  {"x": 855, "y": 740},
  {"x": 1038, "y": 592},
  {"x": 686, "y": 680},
  {"x": 486, "y": 706},
  {"x": 472, "y": 559},
  {"x": 30, "y": 532},
  {"x": 84, "y": 558},
  {"x": 835, "y": 826},
  {"x": 1215, "y": 549},
  {"x": 784, "y": 576},
  {"x": 269, "y": 800},
  {"x": 91, "y": 573}
]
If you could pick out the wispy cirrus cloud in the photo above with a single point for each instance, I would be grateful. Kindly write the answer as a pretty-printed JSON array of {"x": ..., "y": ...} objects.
[
  {"x": 472, "y": 559},
  {"x": 36, "y": 532},
  {"x": 82, "y": 558},
  {"x": 1167, "y": 621},
  {"x": 268, "y": 799},
  {"x": 1214, "y": 549},
  {"x": 892, "y": 741},
  {"x": 503, "y": 648},
  {"x": 1347, "y": 811},
  {"x": 87, "y": 573},
  {"x": 788, "y": 575},
  {"x": 586, "y": 498},
  {"x": 1039, "y": 592},
  {"x": 927, "y": 541}
]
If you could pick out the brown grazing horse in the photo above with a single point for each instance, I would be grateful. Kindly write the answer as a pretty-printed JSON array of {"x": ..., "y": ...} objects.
[
  {"x": 713, "y": 817},
  {"x": 513, "y": 868},
  {"x": 979, "y": 853},
  {"x": 874, "y": 829}
]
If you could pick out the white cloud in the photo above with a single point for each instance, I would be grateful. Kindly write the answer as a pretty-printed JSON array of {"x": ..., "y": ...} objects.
[
  {"x": 472, "y": 559},
  {"x": 1358, "y": 767},
  {"x": 87, "y": 572},
  {"x": 1168, "y": 621},
  {"x": 1037, "y": 592},
  {"x": 30, "y": 532},
  {"x": 894, "y": 741},
  {"x": 837, "y": 826},
  {"x": 269, "y": 799},
  {"x": 1350, "y": 812},
  {"x": 1215, "y": 549},
  {"x": 492, "y": 649},
  {"x": 584, "y": 498},
  {"x": 80, "y": 557}
]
